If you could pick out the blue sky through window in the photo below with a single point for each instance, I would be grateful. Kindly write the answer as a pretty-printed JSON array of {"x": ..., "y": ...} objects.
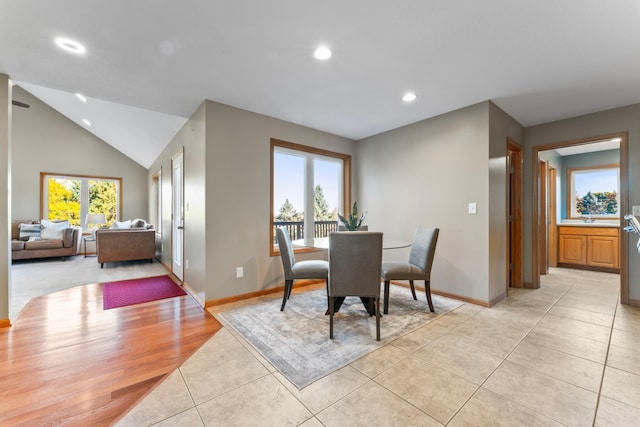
[
  {"x": 288, "y": 180},
  {"x": 596, "y": 181}
]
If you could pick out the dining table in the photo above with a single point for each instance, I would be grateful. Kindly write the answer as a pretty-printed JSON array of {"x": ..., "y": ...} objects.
[{"x": 323, "y": 243}]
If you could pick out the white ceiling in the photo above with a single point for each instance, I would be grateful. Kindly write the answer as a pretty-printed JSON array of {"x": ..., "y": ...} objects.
[
  {"x": 151, "y": 63},
  {"x": 592, "y": 147}
]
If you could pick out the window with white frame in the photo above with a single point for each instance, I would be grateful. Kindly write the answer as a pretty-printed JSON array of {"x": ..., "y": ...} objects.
[
  {"x": 593, "y": 192},
  {"x": 72, "y": 198},
  {"x": 309, "y": 187}
]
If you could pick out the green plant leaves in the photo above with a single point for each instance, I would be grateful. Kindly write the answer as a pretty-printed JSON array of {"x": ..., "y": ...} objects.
[{"x": 353, "y": 223}]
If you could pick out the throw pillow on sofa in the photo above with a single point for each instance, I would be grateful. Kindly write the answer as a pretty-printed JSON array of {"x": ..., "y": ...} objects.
[
  {"x": 120, "y": 225},
  {"x": 53, "y": 230},
  {"x": 29, "y": 230}
]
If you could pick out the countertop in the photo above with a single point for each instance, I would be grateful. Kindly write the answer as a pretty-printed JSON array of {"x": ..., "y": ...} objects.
[{"x": 580, "y": 223}]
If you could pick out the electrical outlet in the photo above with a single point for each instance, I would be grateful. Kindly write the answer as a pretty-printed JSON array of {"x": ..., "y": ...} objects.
[
  {"x": 473, "y": 208},
  {"x": 239, "y": 272},
  {"x": 636, "y": 211}
]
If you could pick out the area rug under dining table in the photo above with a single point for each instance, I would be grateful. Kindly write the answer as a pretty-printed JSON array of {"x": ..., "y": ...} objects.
[{"x": 296, "y": 341}]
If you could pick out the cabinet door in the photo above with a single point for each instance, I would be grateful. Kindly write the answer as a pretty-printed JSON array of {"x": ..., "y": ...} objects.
[
  {"x": 602, "y": 251},
  {"x": 573, "y": 249}
]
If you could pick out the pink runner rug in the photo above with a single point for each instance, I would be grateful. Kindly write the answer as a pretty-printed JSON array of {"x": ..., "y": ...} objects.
[{"x": 136, "y": 291}]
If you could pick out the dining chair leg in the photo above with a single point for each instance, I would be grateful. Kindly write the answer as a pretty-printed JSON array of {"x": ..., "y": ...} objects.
[
  {"x": 413, "y": 290},
  {"x": 427, "y": 289},
  {"x": 286, "y": 293},
  {"x": 290, "y": 289},
  {"x": 331, "y": 304},
  {"x": 378, "y": 318},
  {"x": 328, "y": 304},
  {"x": 386, "y": 296}
]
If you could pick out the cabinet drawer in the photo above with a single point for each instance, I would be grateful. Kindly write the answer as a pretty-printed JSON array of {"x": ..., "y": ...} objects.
[{"x": 589, "y": 231}]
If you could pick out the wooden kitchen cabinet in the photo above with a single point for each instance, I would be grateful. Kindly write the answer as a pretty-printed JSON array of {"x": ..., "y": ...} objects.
[{"x": 589, "y": 247}]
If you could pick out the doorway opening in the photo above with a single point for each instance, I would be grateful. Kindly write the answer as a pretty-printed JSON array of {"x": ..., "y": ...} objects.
[{"x": 552, "y": 180}]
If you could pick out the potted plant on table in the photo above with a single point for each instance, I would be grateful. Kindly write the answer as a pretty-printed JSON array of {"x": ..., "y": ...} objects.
[{"x": 353, "y": 223}]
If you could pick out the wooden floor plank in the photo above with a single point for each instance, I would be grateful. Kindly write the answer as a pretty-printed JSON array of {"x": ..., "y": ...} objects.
[{"x": 66, "y": 361}]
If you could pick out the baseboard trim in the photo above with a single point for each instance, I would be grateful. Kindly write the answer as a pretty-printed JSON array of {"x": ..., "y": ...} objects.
[
  {"x": 5, "y": 323},
  {"x": 497, "y": 299},
  {"x": 236, "y": 298},
  {"x": 447, "y": 295},
  {"x": 634, "y": 302},
  {"x": 192, "y": 293}
]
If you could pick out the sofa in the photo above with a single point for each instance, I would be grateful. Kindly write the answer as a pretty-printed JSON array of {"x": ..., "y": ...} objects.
[
  {"x": 126, "y": 241},
  {"x": 43, "y": 239}
]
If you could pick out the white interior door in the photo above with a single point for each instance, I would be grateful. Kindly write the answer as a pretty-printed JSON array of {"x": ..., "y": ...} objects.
[{"x": 178, "y": 217}]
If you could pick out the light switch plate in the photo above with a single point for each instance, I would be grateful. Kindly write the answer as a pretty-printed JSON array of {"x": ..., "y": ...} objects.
[
  {"x": 239, "y": 272},
  {"x": 473, "y": 208}
]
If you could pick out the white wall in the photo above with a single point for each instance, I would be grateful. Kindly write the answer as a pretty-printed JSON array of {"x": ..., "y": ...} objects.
[
  {"x": 46, "y": 141},
  {"x": 426, "y": 174}
]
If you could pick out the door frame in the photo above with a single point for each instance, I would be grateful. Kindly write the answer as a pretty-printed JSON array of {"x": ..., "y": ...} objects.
[
  {"x": 514, "y": 215},
  {"x": 543, "y": 218},
  {"x": 552, "y": 215},
  {"x": 624, "y": 204}
]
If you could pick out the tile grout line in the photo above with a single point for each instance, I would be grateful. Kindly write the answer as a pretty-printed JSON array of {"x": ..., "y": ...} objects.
[
  {"x": 505, "y": 359},
  {"x": 604, "y": 366}
]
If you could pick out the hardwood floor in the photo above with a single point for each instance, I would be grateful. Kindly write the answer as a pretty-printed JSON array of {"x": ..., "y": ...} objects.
[{"x": 66, "y": 361}]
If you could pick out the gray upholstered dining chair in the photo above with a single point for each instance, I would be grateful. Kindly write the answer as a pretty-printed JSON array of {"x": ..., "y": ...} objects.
[
  {"x": 354, "y": 269},
  {"x": 419, "y": 266},
  {"x": 311, "y": 269}
]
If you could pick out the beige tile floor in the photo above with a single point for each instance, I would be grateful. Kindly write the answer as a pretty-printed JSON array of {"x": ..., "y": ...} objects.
[{"x": 566, "y": 354}]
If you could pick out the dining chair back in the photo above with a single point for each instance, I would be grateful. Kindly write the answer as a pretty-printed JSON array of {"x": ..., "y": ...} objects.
[
  {"x": 354, "y": 269},
  {"x": 423, "y": 249},
  {"x": 309, "y": 269}
]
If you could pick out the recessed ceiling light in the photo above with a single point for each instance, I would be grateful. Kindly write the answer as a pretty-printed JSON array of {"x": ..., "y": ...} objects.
[
  {"x": 322, "y": 53},
  {"x": 86, "y": 122},
  {"x": 81, "y": 97},
  {"x": 70, "y": 45},
  {"x": 408, "y": 97}
]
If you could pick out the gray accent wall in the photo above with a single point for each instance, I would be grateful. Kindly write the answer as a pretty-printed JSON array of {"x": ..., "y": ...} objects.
[
  {"x": 501, "y": 127},
  {"x": 426, "y": 174},
  {"x": 587, "y": 126},
  {"x": 5, "y": 194},
  {"x": 46, "y": 141},
  {"x": 227, "y": 188}
]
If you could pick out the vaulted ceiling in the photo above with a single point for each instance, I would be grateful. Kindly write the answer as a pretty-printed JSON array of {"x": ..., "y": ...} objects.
[{"x": 150, "y": 63}]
